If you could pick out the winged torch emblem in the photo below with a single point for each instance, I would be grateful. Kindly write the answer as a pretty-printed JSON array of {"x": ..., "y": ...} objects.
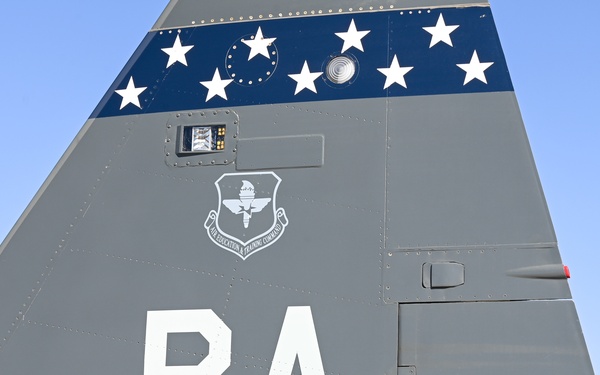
[
  {"x": 247, "y": 204},
  {"x": 258, "y": 232}
]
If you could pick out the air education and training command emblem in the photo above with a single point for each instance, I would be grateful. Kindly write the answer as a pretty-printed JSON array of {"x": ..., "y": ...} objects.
[{"x": 247, "y": 219}]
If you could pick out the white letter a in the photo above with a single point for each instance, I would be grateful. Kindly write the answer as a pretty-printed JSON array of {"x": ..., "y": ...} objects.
[{"x": 298, "y": 337}]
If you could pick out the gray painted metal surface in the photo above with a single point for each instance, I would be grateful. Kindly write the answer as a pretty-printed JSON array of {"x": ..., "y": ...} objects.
[
  {"x": 370, "y": 212},
  {"x": 295, "y": 152},
  {"x": 182, "y": 13},
  {"x": 504, "y": 269},
  {"x": 534, "y": 337},
  {"x": 433, "y": 203}
]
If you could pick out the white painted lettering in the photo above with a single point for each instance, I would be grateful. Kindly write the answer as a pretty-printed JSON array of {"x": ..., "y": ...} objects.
[
  {"x": 160, "y": 323},
  {"x": 298, "y": 337}
]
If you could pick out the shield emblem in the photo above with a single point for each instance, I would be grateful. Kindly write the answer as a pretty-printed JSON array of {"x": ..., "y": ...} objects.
[{"x": 247, "y": 219}]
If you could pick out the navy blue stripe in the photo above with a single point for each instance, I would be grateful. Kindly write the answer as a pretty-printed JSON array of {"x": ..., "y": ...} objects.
[{"x": 313, "y": 39}]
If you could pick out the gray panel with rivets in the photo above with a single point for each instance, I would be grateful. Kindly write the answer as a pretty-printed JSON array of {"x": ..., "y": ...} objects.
[
  {"x": 535, "y": 337},
  {"x": 227, "y": 119},
  {"x": 182, "y": 13},
  {"x": 432, "y": 202},
  {"x": 474, "y": 274},
  {"x": 131, "y": 239}
]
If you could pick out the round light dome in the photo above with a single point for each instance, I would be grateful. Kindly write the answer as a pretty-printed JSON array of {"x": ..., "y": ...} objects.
[{"x": 340, "y": 69}]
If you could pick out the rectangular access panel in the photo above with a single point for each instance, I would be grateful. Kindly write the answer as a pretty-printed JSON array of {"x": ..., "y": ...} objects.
[{"x": 492, "y": 338}]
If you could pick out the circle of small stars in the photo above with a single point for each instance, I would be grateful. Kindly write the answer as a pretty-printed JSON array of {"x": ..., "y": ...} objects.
[{"x": 247, "y": 68}]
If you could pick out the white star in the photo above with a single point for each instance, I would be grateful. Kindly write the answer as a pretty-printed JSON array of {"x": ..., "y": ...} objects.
[
  {"x": 352, "y": 37},
  {"x": 177, "y": 52},
  {"x": 216, "y": 86},
  {"x": 475, "y": 69},
  {"x": 305, "y": 79},
  {"x": 440, "y": 32},
  {"x": 395, "y": 74},
  {"x": 259, "y": 45},
  {"x": 131, "y": 94}
]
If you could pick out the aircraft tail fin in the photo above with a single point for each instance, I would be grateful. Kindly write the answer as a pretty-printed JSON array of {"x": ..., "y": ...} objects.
[{"x": 274, "y": 187}]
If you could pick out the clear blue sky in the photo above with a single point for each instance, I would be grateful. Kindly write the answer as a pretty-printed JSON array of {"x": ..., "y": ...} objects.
[{"x": 59, "y": 57}]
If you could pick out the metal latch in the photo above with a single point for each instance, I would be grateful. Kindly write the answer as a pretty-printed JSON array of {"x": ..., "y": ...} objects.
[{"x": 443, "y": 275}]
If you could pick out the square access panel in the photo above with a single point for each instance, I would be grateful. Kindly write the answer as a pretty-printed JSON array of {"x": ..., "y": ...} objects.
[{"x": 201, "y": 138}]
